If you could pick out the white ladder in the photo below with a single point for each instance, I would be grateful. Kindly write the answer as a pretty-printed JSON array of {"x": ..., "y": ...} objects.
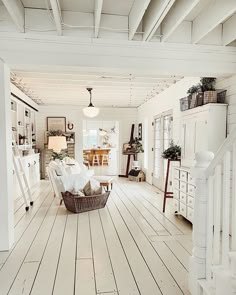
[{"x": 19, "y": 170}]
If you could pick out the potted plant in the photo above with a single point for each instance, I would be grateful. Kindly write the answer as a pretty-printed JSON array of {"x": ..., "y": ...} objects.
[
  {"x": 173, "y": 152},
  {"x": 209, "y": 90},
  {"x": 196, "y": 94}
]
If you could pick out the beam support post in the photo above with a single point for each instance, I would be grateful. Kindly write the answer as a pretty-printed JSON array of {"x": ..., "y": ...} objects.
[{"x": 6, "y": 178}]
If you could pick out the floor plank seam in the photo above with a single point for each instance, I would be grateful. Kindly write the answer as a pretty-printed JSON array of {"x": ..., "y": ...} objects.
[
  {"x": 15, "y": 244},
  {"x": 176, "y": 257},
  {"x": 44, "y": 249},
  {"x": 138, "y": 200},
  {"x": 76, "y": 249},
  {"x": 149, "y": 243},
  {"x": 108, "y": 252},
  {"x": 124, "y": 251},
  {"x": 35, "y": 201},
  {"x": 59, "y": 256},
  {"x": 137, "y": 246},
  {"x": 149, "y": 213},
  {"x": 161, "y": 213},
  {"x": 31, "y": 242},
  {"x": 90, "y": 232}
]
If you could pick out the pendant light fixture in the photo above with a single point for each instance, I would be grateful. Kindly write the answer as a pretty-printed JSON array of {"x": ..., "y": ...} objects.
[{"x": 91, "y": 111}]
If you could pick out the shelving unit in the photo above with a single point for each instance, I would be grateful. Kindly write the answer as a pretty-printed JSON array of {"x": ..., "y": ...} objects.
[{"x": 23, "y": 124}]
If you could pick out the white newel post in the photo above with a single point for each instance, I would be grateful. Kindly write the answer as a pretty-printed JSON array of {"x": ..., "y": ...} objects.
[
  {"x": 6, "y": 181},
  {"x": 197, "y": 266}
]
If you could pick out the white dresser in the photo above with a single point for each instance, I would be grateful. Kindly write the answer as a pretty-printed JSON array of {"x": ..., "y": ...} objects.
[
  {"x": 202, "y": 129},
  {"x": 184, "y": 192}
]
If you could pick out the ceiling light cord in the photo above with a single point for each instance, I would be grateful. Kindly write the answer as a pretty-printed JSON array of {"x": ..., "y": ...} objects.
[{"x": 88, "y": 27}]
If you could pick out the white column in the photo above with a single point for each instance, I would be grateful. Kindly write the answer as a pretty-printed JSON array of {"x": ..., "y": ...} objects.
[
  {"x": 6, "y": 181},
  {"x": 197, "y": 266}
]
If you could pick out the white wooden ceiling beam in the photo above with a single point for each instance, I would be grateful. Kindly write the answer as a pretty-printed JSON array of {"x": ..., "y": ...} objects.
[
  {"x": 17, "y": 12},
  {"x": 56, "y": 10},
  {"x": 97, "y": 16},
  {"x": 229, "y": 32},
  {"x": 213, "y": 15},
  {"x": 176, "y": 16},
  {"x": 135, "y": 16},
  {"x": 155, "y": 13}
]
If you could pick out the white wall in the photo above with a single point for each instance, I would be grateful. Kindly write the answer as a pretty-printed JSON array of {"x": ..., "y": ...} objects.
[
  {"x": 230, "y": 85},
  {"x": 167, "y": 100},
  {"x": 74, "y": 114}
]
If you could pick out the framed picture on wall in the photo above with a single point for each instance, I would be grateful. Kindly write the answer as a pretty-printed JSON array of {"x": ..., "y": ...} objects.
[
  {"x": 140, "y": 131},
  {"x": 56, "y": 123}
]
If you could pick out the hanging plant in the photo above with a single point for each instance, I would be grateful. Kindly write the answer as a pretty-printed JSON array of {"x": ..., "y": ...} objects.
[{"x": 173, "y": 152}]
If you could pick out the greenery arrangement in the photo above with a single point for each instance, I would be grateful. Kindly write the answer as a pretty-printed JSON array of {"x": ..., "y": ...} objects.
[
  {"x": 58, "y": 156},
  {"x": 208, "y": 84},
  {"x": 55, "y": 133},
  {"x": 173, "y": 152},
  {"x": 137, "y": 146},
  {"x": 193, "y": 89}
]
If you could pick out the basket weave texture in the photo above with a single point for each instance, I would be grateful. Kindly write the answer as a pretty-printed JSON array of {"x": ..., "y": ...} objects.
[{"x": 77, "y": 204}]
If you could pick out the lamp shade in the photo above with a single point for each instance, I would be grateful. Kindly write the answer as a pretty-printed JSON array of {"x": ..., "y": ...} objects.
[
  {"x": 91, "y": 111},
  {"x": 57, "y": 143}
]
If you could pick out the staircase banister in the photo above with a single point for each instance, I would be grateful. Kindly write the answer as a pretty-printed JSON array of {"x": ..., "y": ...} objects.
[{"x": 227, "y": 145}]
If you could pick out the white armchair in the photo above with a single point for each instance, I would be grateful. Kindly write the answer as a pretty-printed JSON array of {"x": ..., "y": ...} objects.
[{"x": 62, "y": 179}]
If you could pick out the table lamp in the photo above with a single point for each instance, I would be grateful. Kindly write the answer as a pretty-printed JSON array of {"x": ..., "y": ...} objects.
[{"x": 57, "y": 143}]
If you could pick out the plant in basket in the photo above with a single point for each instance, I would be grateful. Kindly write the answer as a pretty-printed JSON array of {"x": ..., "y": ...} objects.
[
  {"x": 173, "y": 152},
  {"x": 208, "y": 87}
]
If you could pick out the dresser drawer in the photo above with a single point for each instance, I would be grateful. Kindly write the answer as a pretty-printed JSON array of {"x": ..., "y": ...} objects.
[
  {"x": 176, "y": 194},
  {"x": 183, "y": 175},
  {"x": 183, "y": 209},
  {"x": 190, "y": 201},
  {"x": 191, "y": 190},
  {"x": 176, "y": 205},
  {"x": 176, "y": 173},
  {"x": 190, "y": 214},
  {"x": 191, "y": 180},
  {"x": 176, "y": 184},
  {"x": 183, "y": 197},
  {"x": 183, "y": 186}
]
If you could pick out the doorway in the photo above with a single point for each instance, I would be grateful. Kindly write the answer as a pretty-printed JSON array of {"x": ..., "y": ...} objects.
[
  {"x": 163, "y": 135},
  {"x": 101, "y": 146}
]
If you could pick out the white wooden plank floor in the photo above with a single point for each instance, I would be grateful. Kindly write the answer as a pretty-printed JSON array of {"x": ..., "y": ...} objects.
[{"x": 127, "y": 248}]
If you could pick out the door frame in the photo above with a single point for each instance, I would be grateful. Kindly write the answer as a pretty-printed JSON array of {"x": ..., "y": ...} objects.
[{"x": 159, "y": 182}]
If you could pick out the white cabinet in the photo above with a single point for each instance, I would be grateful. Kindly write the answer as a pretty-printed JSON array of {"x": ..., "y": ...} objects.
[
  {"x": 203, "y": 129},
  {"x": 184, "y": 192},
  {"x": 31, "y": 166}
]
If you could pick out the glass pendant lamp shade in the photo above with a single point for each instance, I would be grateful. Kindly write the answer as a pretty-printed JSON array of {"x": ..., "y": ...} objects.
[{"x": 90, "y": 111}]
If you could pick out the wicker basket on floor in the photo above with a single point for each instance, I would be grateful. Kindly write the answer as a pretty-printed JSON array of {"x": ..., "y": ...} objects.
[{"x": 77, "y": 204}]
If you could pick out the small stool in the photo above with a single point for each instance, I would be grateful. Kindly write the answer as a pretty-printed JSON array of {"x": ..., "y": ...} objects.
[
  {"x": 105, "y": 159},
  {"x": 96, "y": 160},
  {"x": 106, "y": 181}
]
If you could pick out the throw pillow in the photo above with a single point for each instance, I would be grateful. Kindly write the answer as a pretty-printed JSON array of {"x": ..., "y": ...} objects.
[{"x": 87, "y": 189}]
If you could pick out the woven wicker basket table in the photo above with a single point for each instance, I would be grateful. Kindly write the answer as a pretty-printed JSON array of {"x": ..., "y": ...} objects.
[{"x": 77, "y": 204}]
